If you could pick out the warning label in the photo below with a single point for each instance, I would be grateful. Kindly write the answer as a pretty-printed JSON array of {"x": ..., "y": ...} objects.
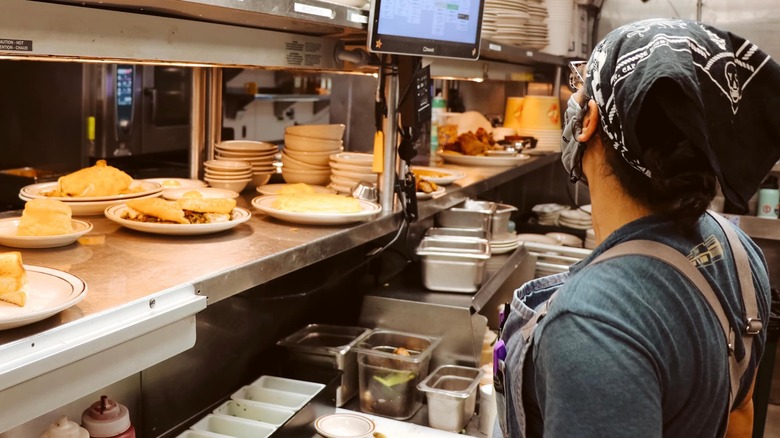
[{"x": 12, "y": 45}]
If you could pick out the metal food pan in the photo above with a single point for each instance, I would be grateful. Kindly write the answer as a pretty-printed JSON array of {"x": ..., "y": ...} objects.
[
  {"x": 469, "y": 214},
  {"x": 453, "y": 264}
]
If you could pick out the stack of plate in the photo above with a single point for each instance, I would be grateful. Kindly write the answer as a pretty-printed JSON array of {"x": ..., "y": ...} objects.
[
  {"x": 227, "y": 174},
  {"x": 307, "y": 150},
  {"x": 515, "y": 22},
  {"x": 577, "y": 219},
  {"x": 91, "y": 205},
  {"x": 560, "y": 14},
  {"x": 350, "y": 168},
  {"x": 504, "y": 243},
  {"x": 548, "y": 214},
  {"x": 258, "y": 154},
  {"x": 540, "y": 117},
  {"x": 566, "y": 239},
  {"x": 590, "y": 238}
]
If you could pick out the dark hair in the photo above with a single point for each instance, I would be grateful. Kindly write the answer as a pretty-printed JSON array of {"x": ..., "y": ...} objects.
[{"x": 683, "y": 183}]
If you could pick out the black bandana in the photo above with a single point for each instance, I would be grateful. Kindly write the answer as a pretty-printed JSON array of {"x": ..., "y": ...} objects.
[{"x": 733, "y": 108}]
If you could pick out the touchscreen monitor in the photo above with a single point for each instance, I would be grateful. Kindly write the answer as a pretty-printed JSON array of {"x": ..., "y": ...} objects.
[{"x": 443, "y": 28}]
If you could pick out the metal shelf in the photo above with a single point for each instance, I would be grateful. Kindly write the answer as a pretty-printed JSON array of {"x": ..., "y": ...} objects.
[
  {"x": 498, "y": 51},
  {"x": 312, "y": 17}
]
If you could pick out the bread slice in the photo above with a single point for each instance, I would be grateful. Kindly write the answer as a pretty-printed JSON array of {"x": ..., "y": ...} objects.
[
  {"x": 13, "y": 278},
  {"x": 165, "y": 211},
  {"x": 45, "y": 217}
]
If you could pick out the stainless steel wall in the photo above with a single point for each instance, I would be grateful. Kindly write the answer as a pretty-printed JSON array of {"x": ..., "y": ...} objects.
[{"x": 757, "y": 20}]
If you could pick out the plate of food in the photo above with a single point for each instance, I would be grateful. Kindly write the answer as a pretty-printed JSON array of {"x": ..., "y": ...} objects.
[
  {"x": 94, "y": 208},
  {"x": 290, "y": 189},
  {"x": 437, "y": 175},
  {"x": 35, "y": 293},
  {"x": 177, "y": 183},
  {"x": 100, "y": 182},
  {"x": 317, "y": 208},
  {"x": 9, "y": 235},
  {"x": 45, "y": 223},
  {"x": 183, "y": 217},
  {"x": 205, "y": 192},
  {"x": 481, "y": 160}
]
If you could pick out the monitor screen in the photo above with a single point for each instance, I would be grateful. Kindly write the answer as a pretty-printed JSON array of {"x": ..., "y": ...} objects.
[{"x": 444, "y": 28}]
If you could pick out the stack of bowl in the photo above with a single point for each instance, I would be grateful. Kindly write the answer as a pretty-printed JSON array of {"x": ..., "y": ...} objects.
[
  {"x": 350, "y": 168},
  {"x": 229, "y": 175},
  {"x": 260, "y": 155},
  {"x": 539, "y": 117},
  {"x": 306, "y": 152}
]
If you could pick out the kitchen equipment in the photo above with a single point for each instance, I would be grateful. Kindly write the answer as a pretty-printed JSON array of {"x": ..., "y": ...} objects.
[
  {"x": 366, "y": 191},
  {"x": 475, "y": 233},
  {"x": 468, "y": 214},
  {"x": 500, "y": 220},
  {"x": 233, "y": 426},
  {"x": 138, "y": 109},
  {"x": 248, "y": 410},
  {"x": 391, "y": 364},
  {"x": 329, "y": 346},
  {"x": 451, "y": 391},
  {"x": 64, "y": 428},
  {"x": 452, "y": 264},
  {"x": 107, "y": 418}
]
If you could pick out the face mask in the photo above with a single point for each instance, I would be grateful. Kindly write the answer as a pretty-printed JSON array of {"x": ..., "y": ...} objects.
[{"x": 571, "y": 149}]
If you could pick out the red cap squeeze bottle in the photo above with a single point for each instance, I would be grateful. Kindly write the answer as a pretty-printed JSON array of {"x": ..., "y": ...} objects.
[{"x": 107, "y": 419}]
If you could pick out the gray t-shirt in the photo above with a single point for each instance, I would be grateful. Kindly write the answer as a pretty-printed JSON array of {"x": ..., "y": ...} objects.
[{"x": 631, "y": 349}]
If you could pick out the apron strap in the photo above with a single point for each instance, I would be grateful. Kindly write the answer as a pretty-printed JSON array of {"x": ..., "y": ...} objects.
[{"x": 682, "y": 264}]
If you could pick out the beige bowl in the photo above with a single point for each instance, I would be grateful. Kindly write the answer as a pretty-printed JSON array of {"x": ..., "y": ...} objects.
[
  {"x": 245, "y": 146},
  {"x": 245, "y": 155},
  {"x": 227, "y": 165},
  {"x": 317, "y": 178},
  {"x": 330, "y": 132},
  {"x": 308, "y": 144},
  {"x": 235, "y": 186},
  {"x": 233, "y": 177},
  {"x": 289, "y": 162},
  {"x": 260, "y": 178},
  {"x": 313, "y": 158}
]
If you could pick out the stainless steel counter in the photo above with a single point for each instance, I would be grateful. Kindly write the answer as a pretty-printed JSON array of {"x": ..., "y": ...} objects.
[{"x": 126, "y": 271}]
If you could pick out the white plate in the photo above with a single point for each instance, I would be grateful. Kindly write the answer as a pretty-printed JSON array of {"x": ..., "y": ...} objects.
[
  {"x": 354, "y": 158},
  {"x": 483, "y": 160},
  {"x": 449, "y": 175},
  {"x": 239, "y": 216},
  {"x": 8, "y": 236},
  {"x": 49, "y": 292},
  {"x": 176, "y": 183},
  {"x": 273, "y": 189},
  {"x": 537, "y": 238},
  {"x": 206, "y": 192},
  {"x": 94, "y": 208},
  {"x": 265, "y": 204},
  {"x": 39, "y": 190},
  {"x": 434, "y": 194},
  {"x": 503, "y": 249},
  {"x": 344, "y": 426}
]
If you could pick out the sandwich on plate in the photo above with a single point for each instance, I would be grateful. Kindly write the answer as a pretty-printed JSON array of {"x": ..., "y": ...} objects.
[{"x": 192, "y": 208}]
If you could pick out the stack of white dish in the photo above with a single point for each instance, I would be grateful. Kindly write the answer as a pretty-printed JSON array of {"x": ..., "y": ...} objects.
[
  {"x": 566, "y": 239},
  {"x": 577, "y": 219},
  {"x": 559, "y": 23},
  {"x": 260, "y": 155},
  {"x": 590, "y": 238},
  {"x": 548, "y": 214},
  {"x": 227, "y": 174},
  {"x": 504, "y": 243},
  {"x": 516, "y": 22},
  {"x": 350, "y": 168},
  {"x": 307, "y": 150}
]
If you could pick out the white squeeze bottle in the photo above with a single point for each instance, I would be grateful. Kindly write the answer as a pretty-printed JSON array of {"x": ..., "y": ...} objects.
[
  {"x": 438, "y": 108},
  {"x": 64, "y": 428}
]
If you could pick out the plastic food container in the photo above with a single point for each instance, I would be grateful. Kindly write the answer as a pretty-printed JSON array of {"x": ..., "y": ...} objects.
[
  {"x": 388, "y": 379},
  {"x": 468, "y": 214},
  {"x": 453, "y": 264},
  {"x": 232, "y": 426},
  {"x": 270, "y": 415},
  {"x": 451, "y": 391},
  {"x": 283, "y": 399},
  {"x": 328, "y": 346}
]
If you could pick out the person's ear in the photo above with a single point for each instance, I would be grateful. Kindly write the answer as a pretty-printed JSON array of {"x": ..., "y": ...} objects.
[{"x": 590, "y": 122}]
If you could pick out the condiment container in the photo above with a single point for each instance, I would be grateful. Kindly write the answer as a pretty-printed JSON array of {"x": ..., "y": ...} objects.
[
  {"x": 233, "y": 426},
  {"x": 388, "y": 379},
  {"x": 107, "y": 419},
  {"x": 64, "y": 428},
  {"x": 451, "y": 391},
  {"x": 452, "y": 264},
  {"x": 500, "y": 221},
  {"x": 271, "y": 415},
  {"x": 328, "y": 346}
]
